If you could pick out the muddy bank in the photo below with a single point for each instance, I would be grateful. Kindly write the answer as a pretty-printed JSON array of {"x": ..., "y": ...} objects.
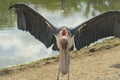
[{"x": 98, "y": 62}]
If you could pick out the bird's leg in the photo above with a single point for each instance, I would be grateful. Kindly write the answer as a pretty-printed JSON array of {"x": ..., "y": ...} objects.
[
  {"x": 69, "y": 69},
  {"x": 68, "y": 75},
  {"x": 58, "y": 74}
]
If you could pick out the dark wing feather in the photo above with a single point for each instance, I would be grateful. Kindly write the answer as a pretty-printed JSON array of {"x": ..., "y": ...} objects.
[
  {"x": 38, "y": 26},
  {"x": 101, "y": 26}
]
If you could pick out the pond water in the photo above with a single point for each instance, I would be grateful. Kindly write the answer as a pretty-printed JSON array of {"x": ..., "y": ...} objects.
[{"x": 18, "y": 47}]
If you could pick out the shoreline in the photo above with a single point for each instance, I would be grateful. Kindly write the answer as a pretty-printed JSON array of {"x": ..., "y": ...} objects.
[{"x": 25, "y": 63}]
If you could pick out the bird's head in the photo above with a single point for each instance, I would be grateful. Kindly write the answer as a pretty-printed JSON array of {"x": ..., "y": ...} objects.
[
  {"x": 64, "y": 39},
  {"x": 63, "y": 31}
]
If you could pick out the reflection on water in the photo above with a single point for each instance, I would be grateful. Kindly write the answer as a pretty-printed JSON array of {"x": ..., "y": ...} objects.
[{"x": 18, "y": 47}]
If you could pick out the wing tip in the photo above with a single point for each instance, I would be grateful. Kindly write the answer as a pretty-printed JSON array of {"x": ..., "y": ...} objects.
[
  {"x": 17, "y": 5},
  {"x": 11, "y": 6}
]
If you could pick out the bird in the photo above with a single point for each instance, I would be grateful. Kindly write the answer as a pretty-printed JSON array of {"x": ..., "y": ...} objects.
[{"x": 64, "y": 39}]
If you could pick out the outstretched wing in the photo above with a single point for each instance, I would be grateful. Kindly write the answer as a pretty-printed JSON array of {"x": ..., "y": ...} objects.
[
  {"x": 38, "y": 26},
  {"x": 101, "y": 26}
]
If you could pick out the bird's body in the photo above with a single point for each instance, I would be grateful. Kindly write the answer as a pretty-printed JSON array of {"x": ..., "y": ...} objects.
[
  {"x": 64, "y": 43},
  {"x": 104, "y": 25}
]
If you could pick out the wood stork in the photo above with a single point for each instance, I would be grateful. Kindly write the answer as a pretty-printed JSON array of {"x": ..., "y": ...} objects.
[{"x": 104, "y": 25}]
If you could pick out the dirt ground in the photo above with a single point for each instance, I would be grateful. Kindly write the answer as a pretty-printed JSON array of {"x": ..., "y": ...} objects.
[{"x": 99, "y": 62}]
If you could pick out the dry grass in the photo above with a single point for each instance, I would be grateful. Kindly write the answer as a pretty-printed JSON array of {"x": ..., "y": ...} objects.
[{"x": 98, "y": 62}]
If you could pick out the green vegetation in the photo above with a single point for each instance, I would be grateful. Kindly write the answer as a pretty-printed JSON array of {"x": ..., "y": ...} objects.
[{"x": 68, "y": 6}]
